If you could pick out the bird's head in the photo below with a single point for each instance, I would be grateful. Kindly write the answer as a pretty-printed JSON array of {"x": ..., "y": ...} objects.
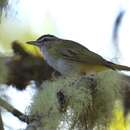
[{"x": 41, "y": 41}]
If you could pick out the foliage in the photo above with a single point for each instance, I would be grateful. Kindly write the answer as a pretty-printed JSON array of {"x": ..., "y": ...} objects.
[
  {"x": 3, "y": 5},
  {"x": 11, "y": 31},
  {"x": 118, "y": 120}
]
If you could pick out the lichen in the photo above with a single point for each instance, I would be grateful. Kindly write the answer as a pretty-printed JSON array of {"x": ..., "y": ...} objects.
[{"x": 89, "y": 101}]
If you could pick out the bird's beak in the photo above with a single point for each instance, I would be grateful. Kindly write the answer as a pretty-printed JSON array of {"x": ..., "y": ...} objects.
[{"x": 32, "y": 43}]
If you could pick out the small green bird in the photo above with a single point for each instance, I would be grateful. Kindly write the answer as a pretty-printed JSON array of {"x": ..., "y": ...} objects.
[{"x": 67, "y": 56}]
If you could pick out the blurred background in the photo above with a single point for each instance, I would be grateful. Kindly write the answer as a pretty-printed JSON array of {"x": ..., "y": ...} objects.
[{"x": 100, "y": 25}]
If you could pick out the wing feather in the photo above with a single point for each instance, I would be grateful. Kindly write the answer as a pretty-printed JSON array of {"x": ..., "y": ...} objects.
[{"x": 75, "y": 52}]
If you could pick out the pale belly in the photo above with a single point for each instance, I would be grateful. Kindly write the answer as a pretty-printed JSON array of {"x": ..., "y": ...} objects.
[
  {"x": 62, "y": 66},
  {"x": 67, "y": 67},
  {"x": 58, "y": 64}
]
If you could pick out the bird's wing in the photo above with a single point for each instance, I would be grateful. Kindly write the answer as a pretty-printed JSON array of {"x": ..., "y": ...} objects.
[{"x": 78, "y": 53}]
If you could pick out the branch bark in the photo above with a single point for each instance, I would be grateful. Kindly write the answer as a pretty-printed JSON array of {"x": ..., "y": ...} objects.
[{"x": 14, "y": 111}]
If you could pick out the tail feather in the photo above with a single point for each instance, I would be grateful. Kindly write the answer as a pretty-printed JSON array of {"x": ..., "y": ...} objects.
[
  {"x": 121, "y": 67},
  {"x": 117, "y": 66}
]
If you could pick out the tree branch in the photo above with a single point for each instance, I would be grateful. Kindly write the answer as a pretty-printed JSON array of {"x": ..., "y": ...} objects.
[{"x": 14, "y": 111}]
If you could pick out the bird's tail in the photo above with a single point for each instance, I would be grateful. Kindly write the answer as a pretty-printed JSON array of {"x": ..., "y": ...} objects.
[{"x": 120, "y": 67}]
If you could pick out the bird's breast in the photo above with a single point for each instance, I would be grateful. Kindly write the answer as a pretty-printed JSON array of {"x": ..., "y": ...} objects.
[{"x": 57, "y": 63}]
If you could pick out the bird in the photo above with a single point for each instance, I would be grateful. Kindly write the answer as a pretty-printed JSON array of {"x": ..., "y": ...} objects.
[{"x": 68, "y": 57}]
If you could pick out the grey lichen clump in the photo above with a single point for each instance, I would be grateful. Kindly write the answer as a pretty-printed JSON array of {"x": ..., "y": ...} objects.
[{"x": 77, "y": 102}]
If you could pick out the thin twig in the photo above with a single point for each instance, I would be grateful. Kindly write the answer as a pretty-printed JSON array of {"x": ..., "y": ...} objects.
[{"x": 14, "y": 111}]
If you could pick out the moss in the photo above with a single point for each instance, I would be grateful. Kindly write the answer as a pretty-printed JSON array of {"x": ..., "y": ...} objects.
[{"x": 89, "y": 101}]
